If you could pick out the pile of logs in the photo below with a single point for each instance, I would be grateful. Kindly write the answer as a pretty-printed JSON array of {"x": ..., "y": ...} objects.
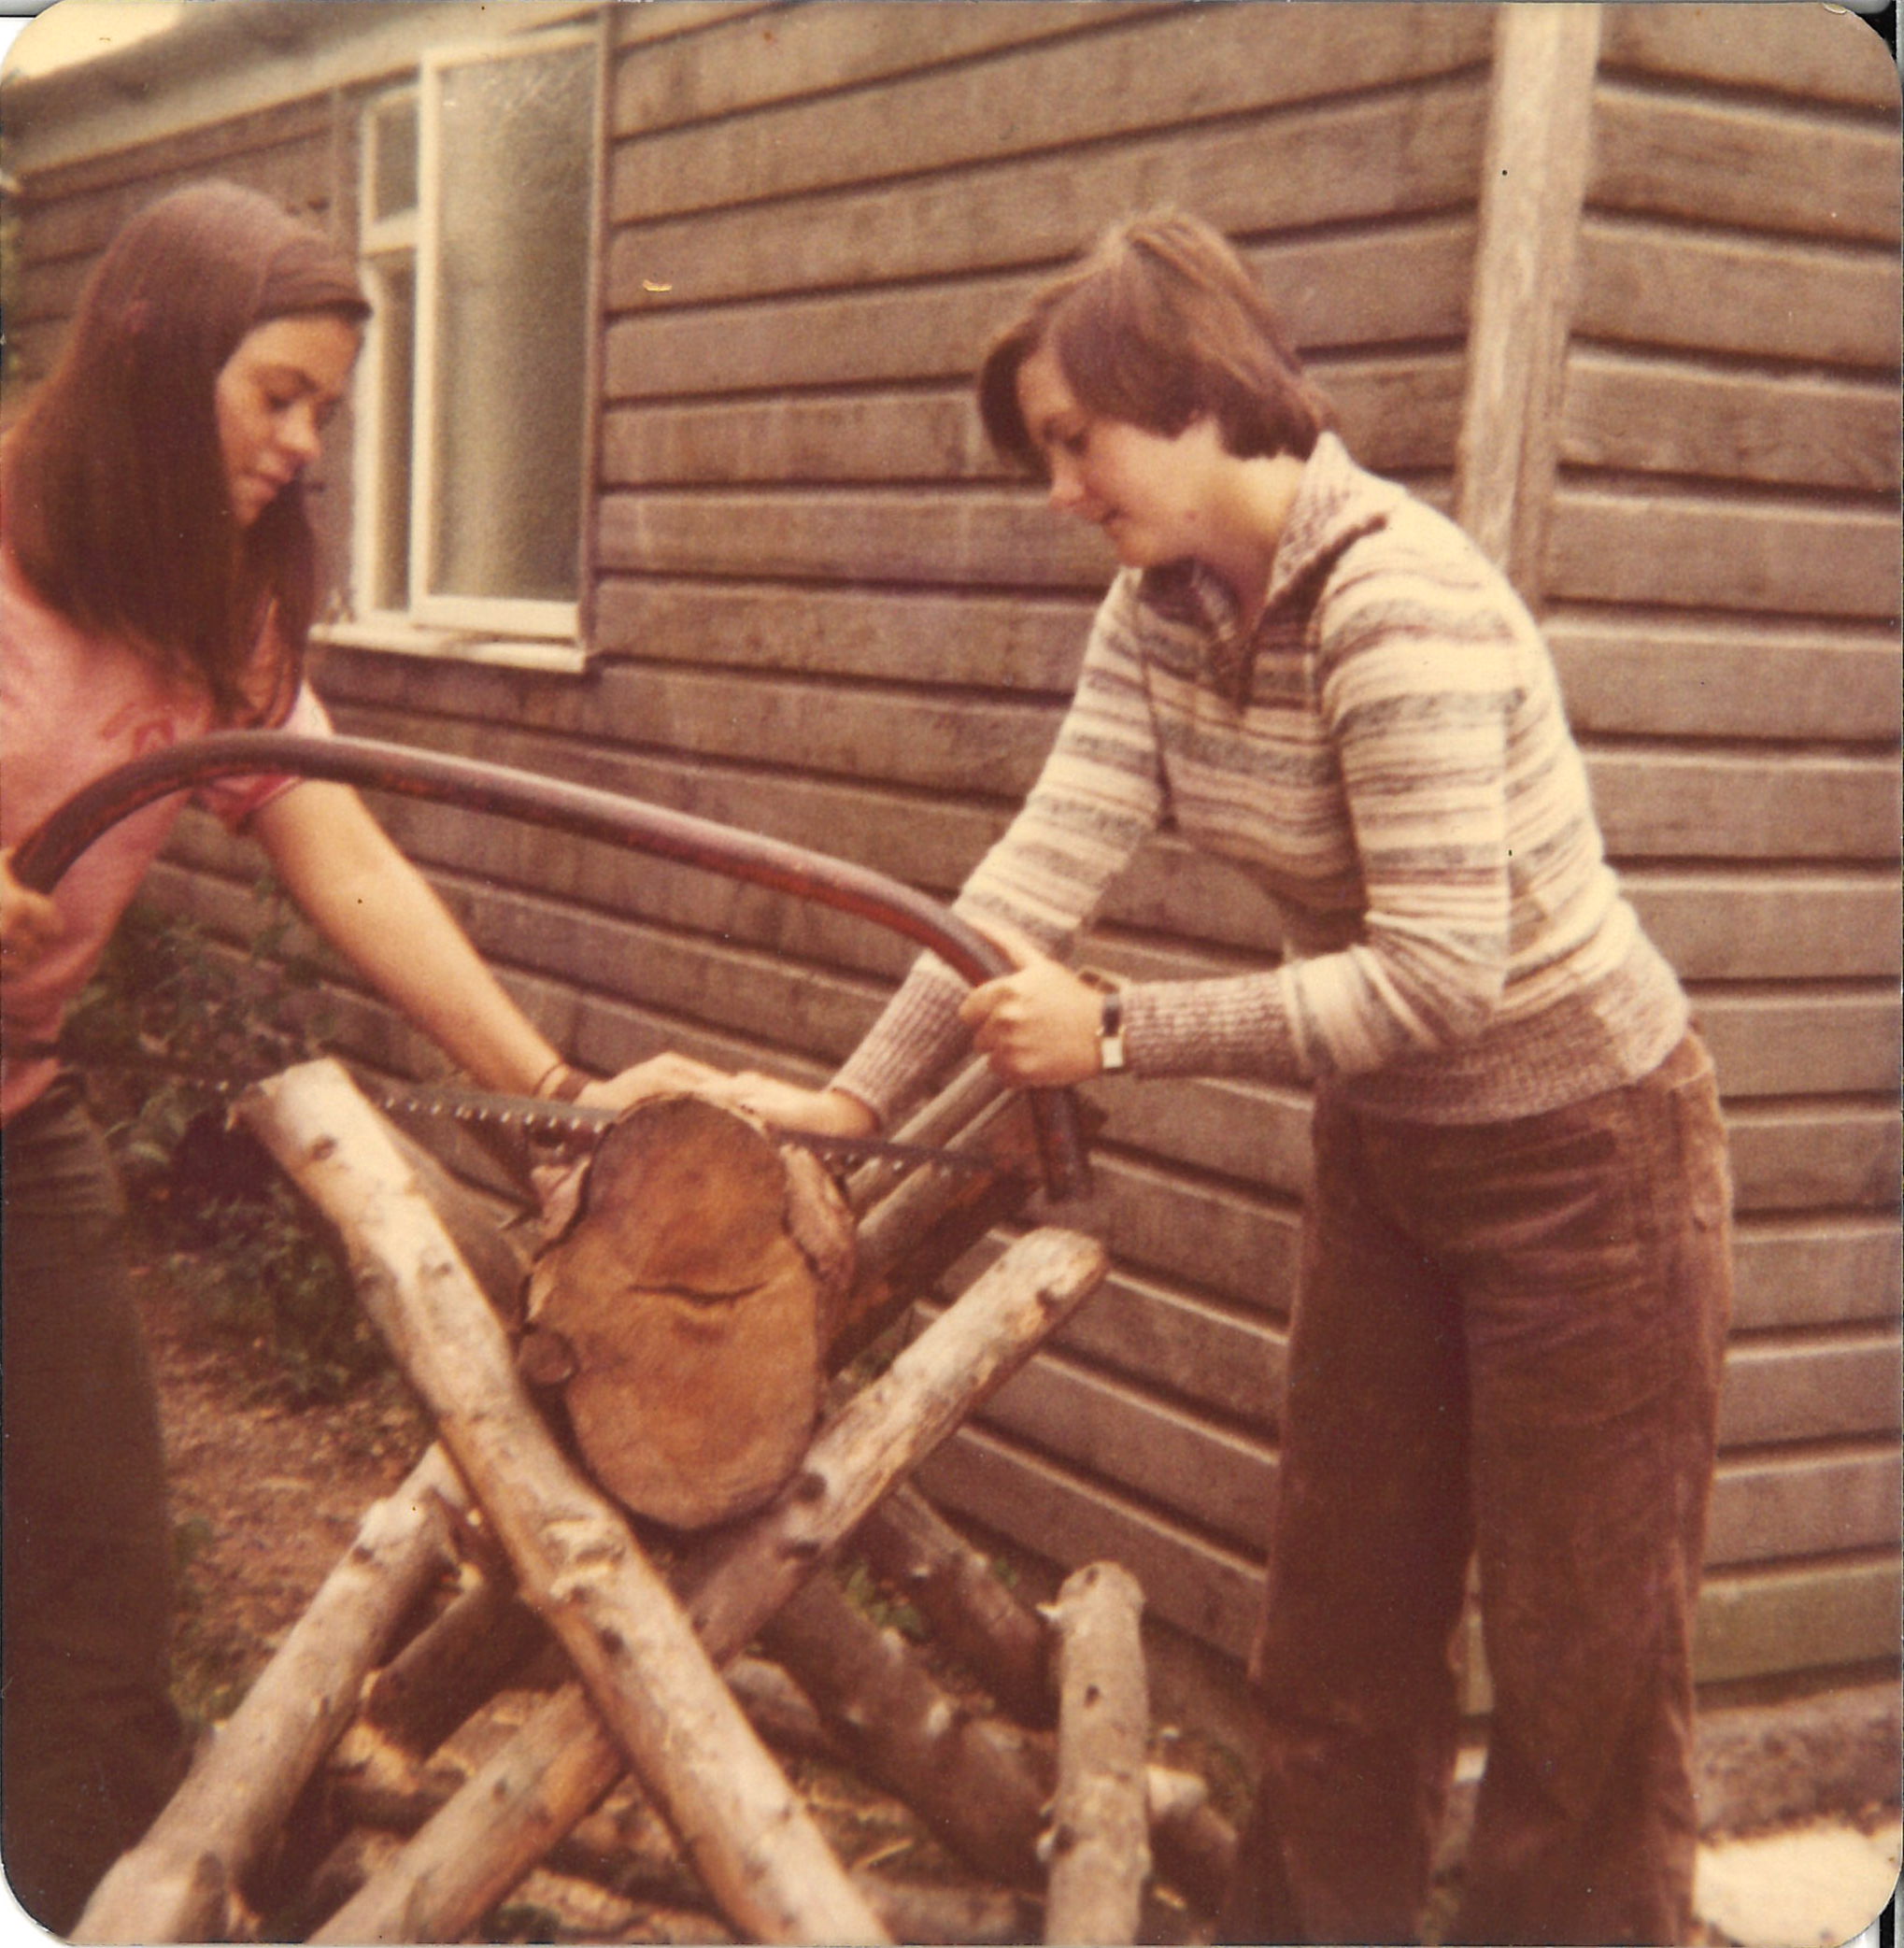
[{"x": 559, "y": 1664}]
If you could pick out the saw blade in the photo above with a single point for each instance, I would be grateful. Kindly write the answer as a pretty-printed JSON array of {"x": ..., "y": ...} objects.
[
  {"x": 578, "y": 1125},
  {"x": 574, "y": 1126}
]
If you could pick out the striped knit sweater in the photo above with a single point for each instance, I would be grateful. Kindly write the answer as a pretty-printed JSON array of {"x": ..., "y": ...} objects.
[{"x": 1388, "y": 757}]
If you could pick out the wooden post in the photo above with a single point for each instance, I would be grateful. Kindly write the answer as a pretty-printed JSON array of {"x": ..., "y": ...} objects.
[
  {"x": 1100, "y": 1833},
  {"x": 518, "y": 1806},
  {"x": 1533, "y": 186},
  {"x": 175, "y": 1885},
  {"x": 753, "y": 1842}
]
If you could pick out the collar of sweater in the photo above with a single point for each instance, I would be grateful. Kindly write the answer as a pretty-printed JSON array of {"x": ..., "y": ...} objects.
[{"x": 1337, "y": 504}]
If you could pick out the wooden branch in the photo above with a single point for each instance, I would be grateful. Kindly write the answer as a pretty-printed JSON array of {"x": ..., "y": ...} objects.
[
  {"x": 176, "y": 1883},
  {"x": 1533, "y": 183},
  {"x": 448, "y": 1668},
  {"x": 496, "y": 1251},
  {"x": 907, "y": 1242},
  {"x": 1006, "y": 1644},
  {"x": 753, "y": 1842},
  {"x": 1100, "y": 1835},
  {"x": 623, "y": 1842},
  {"x": 517, "y": 1807},
  {"x": 1000, "y": 1640},
  {"x": 1192, "y": 1845},
  {"x": 975, "y": 1780}
]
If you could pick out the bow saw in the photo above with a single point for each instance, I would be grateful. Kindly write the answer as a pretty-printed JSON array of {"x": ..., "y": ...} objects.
[{"x": 584, "y": 812}]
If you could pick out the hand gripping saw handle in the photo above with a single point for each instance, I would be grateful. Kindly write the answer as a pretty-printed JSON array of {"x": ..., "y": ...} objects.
[{"x": 582, "y": 811}]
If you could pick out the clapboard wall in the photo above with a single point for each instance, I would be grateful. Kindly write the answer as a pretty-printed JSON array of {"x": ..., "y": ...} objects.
[
  {"x": 1721, "y": 580},
  {"x": 819, "y": 610}
]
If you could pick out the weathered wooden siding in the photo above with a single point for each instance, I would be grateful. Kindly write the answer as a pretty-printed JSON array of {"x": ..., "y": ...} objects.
[
  {"x": 1720, "y": 581},
  {"x": 823, "y": 611}
]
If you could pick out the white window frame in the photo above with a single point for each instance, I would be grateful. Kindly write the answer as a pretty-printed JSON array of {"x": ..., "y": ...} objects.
[{"x": 514, "y": 629}]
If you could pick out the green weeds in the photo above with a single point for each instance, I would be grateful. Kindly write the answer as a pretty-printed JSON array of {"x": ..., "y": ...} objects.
[{"x": 174, "y": 1024}]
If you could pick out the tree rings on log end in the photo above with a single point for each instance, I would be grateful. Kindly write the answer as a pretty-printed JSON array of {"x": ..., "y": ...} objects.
[{"x": 697, "y": 1288}]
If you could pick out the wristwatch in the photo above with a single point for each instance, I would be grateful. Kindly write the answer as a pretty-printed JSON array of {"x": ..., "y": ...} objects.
[{"x": 1110, "y": 1032}]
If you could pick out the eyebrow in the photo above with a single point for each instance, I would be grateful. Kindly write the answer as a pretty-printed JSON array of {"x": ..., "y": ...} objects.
[{"x": 282, "y": 371}]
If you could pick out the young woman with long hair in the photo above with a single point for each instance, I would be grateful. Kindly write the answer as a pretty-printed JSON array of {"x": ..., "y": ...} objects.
[
  {"x": 1516, "y": 1282},
  {"x": 157, "y": 582}
]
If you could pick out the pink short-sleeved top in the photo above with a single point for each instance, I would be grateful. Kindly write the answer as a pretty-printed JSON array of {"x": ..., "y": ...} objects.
[{"x": 73, "y": 707}]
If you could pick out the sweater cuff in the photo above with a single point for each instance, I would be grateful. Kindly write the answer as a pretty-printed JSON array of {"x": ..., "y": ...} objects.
[
  {"x": 1235, "y": 1025},
  {"x": 912, "y": 1040}
]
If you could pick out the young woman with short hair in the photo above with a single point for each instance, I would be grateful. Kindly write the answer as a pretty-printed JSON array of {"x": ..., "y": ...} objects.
[{"x": 1516, "y": 1282}]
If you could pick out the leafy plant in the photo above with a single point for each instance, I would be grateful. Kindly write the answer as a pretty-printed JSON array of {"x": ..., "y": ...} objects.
[
  {"x": 871, "y": 1598},
  {"x": 171, "y": 1027}
]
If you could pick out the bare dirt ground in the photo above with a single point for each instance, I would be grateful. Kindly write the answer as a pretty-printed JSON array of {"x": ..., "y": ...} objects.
[{"x": 265, "y": 1494}]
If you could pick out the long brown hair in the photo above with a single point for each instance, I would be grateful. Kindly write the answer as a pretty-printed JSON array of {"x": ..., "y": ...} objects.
[
  {"x": 117, "y": 510},
  {"x": 1161, "y": 323}
]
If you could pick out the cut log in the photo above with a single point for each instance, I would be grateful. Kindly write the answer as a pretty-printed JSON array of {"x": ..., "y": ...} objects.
[
  {"x": 623, "y": 1842},
  {"x": 175, "y": 1885},
  {"x": 1001, "y": 1641},
  {"x": 1006, "y": 1644},
  {"x": 982, "y": 1785},
  {"x": 781, "y": 1712},
  {"x": 1100, "y": 1829},
  {"x": 754, "y": 1844},
  {"x": 972, "y": 1917},
  {"x": 515, "y": 1810},
  {"x": 687, "y": 1310}
]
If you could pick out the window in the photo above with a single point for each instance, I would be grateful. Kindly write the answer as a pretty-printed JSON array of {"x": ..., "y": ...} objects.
[{"x": 477, "y": 213}]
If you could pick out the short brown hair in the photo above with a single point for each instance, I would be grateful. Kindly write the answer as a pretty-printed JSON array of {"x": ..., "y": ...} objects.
[{"x": 1161, "y": 324}]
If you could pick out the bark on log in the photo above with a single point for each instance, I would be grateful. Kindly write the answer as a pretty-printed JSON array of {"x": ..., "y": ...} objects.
[
  {"x": 450, "y": 1667},
  {"x": 977, "y": 1781},
  {"x": 1001, "y": 1641},
  {"x": 512, "y": 1812},
  {"x": 687, "y": 1310},
  {"x": 174, "y": 1885},
  {"x": 495, "y": 1250},
  {"x": 754, "y": 1844},
  {"x": 1100, "y": 1835},
  {"x": 1006, "y": 1644}
]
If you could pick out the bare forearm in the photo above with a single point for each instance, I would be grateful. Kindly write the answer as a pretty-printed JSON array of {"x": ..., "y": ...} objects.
[{"x": 372, "y": 905}]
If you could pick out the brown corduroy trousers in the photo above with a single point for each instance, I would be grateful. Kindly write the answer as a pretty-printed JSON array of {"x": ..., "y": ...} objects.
[{"x": 1507, "y": 1346}]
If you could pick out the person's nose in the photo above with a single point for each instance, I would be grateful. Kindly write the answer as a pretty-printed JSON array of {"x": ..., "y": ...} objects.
[
  {"x": 300, "y": 434},
  {"x": 1067, "y": 490}
]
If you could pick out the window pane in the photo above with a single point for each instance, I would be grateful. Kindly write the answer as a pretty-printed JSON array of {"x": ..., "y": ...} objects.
[
  {"x": 393, "y": 171},
  {"x": 396, "y": 374},
  {"x": 512, "y": 323}
]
